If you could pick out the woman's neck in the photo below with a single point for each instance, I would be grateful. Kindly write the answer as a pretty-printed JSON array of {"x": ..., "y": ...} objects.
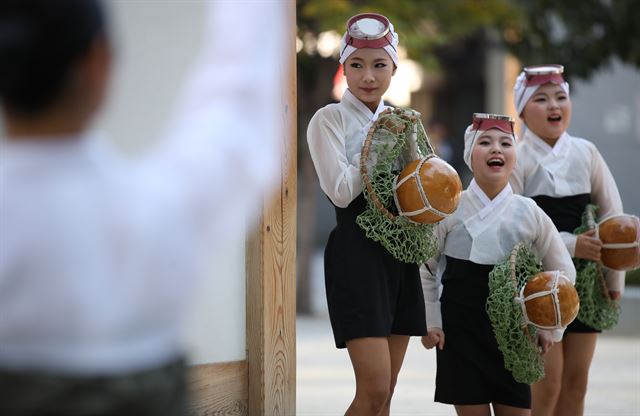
[
  {"x": 551, "y": 141},
  {"x": 491, "y": 188}
]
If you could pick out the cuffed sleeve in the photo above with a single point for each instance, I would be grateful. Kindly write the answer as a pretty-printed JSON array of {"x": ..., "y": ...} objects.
[{"x": 339, "y": 178}]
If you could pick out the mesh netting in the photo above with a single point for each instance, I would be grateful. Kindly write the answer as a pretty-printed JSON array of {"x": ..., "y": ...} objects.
[
  {"x": 597, "y": 309},
  {"x": 386, "y": 150},
  {"x": 517, "y": 343}
]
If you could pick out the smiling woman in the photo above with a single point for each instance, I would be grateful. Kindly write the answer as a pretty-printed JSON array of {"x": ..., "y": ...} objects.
[
  {"x": 490, "y": 221},
  {"x": 564, "y": 174},
  {"x": 375, "y": 302}
]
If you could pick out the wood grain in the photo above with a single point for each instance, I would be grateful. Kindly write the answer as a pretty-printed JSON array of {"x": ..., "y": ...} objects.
[
  {"x": 219, "y": 389},
  {"x": 271, "y": 254}
]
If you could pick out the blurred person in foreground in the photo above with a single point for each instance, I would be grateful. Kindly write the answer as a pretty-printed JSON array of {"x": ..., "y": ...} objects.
[{"x": 99, "y": 257}]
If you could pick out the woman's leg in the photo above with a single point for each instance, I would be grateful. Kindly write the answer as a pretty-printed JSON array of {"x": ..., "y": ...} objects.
[
  {"x": 504, "y": 410},
  {"x": 371, "y": 362},
  {"x": 578, "y": 353},
  {"x": 473, "y": 410},
  {"x": 545, "y": 393},
  {"x": 397, "y": 348}
]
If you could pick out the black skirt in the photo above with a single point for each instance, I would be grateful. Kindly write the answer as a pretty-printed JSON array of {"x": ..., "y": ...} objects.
[
  {"x": 566, "y": 214},
  {"x": 369, "y": 292},
  {"x": 471, "y": 368}
]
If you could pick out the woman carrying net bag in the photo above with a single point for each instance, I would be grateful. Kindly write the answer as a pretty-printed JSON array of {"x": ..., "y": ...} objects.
[
  {"x": 489, "y": 222},
  {"x": 358, "y": 147},
  {"x": 564, "y": 175}
]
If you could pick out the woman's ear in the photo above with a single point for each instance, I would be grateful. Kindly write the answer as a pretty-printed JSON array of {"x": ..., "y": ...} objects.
[{"x": 395, "y": 68}]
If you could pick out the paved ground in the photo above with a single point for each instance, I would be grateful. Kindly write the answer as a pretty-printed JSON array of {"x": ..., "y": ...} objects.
[{"x": 325, "y": 382}]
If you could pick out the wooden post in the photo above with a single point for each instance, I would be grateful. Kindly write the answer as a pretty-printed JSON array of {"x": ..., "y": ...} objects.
[{"x": 271, "y": 278}]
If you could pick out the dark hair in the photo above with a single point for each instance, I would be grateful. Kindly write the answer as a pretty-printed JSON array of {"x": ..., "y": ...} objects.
[{"x": 40, "y": 40}]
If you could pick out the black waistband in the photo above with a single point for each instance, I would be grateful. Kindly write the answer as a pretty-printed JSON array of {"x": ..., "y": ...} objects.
[
  {"x": 347, "y": 216},
  {"x": 466, "y": 282},
  {"x": 566, "y": 212}
]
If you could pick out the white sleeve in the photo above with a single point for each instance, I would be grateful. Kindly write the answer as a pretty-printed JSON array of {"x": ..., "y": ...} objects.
[
  {"x": 551, "y": 249},
  {"x": 431, "y": 282},
  {"x": 339, "y": 178},
  {"x": 604, "y": 193},
  {"x": 222, "y": 148},
  {"x": 569, "y": 242}
]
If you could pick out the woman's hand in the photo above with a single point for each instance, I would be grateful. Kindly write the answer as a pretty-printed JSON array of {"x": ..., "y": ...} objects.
[
  {"x": 545, "y": 341},
  {"x": 434, "y": 337},
  {"x": 587, "y": 246}
]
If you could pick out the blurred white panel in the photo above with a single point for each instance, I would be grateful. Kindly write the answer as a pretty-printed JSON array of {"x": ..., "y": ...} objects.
[{"x": 155, "y": 42}]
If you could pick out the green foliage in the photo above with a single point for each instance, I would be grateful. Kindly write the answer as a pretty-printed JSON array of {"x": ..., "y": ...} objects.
[
  {"x": 422, "y": 25},
  {"x": 581, "y": 35}
]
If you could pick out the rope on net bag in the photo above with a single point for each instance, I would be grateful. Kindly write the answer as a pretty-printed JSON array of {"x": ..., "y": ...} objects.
[
  {"x": 597, "y": 309},
  {"x": 516, "y": 339},
  {"x": 386, "y": 149}
]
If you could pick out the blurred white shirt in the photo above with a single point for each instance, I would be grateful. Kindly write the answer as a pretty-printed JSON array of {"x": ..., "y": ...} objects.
[{"x": 98, "y": 256}]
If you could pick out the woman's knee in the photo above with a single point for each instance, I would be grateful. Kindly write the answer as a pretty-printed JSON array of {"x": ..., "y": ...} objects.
[
  {"x": 547, "y": 390},
  {"x": 575, "y": 386},
  {"x": 376, "y": 395}
]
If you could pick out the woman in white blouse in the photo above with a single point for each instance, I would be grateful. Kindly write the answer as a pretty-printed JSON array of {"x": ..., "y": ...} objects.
[
  {"x": 563, "y": 174},
  {"x": 375, "y": 301},
  {"x": 489, "y": 222}
]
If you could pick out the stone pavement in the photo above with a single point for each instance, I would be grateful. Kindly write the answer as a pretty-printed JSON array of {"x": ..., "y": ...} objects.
[{"x": 325, "y": 382}]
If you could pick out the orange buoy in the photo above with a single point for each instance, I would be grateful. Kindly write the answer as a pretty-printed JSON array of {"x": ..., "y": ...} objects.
[
  {"x": 620, "y": 236},
  {"x": 549, "y": 300},
  {"x": 427, "y": 190}
]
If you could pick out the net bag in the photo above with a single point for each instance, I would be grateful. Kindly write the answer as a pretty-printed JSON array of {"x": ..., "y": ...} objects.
[
  {"x": 394, "y": 140},
  {"x": 597, "y": 309},
  {"x": 516, "y": 339}
]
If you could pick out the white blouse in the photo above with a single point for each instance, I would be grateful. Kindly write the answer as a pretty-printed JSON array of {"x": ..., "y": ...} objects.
[
  {"x": 335, "y": 136},
  {"x": 573, "y": 166},
  {"x": 98, "y": 256},
  {"x": 484, "y": 231}
]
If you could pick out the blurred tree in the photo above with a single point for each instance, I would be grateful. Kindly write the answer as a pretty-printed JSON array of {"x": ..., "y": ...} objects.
[{"x": 583, "y": 36}]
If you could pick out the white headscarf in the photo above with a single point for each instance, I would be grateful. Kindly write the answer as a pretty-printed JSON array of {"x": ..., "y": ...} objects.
[
  {"x": 470, "y": 138},
  {"x": 522, "y": 93},
  {"x": 392, "y": 50}
]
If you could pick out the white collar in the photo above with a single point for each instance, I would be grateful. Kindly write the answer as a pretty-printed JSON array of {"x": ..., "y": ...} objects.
[
  {"x": 557, "y": 148},
  {"x": 489, "y": 204},
  {"x": 349, "y": 98}
]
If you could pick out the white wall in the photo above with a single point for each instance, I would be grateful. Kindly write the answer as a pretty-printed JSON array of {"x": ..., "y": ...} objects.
[{"x": 155, "y": 41}]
